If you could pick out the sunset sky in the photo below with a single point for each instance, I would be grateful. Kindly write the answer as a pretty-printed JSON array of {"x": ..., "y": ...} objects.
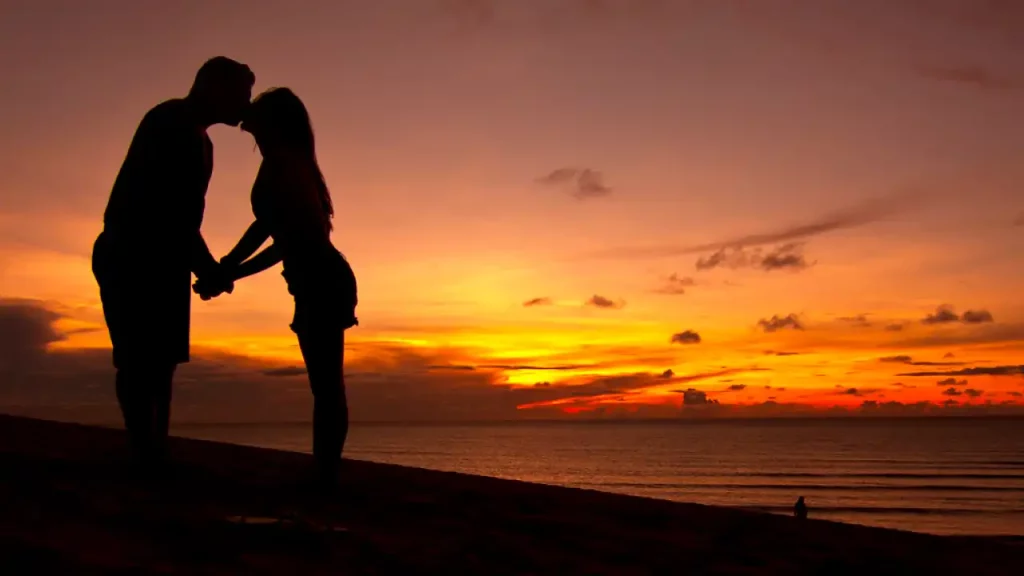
[{"x": 556, "y": 207}]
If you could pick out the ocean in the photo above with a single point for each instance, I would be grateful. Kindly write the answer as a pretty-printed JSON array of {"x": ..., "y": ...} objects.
[{"x": 943, "y": 476}]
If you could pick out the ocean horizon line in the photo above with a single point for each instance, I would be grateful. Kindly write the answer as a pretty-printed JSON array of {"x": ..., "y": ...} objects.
[{"x": 618, "y": 421}]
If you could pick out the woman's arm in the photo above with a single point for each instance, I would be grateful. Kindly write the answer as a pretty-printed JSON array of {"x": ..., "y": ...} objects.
[
  {"x": 247, "y": 245},
  {"x": 270, "y": 256}
]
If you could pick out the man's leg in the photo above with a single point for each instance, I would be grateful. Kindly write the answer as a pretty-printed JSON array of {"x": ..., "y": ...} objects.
[
  {"x": 160, "y": 401},
  {"x": 120, "y": 310},
  {"x": 136, "y": 408}
]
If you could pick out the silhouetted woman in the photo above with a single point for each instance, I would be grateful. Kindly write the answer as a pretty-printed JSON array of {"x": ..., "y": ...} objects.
[{"x": 292, "y": 206}]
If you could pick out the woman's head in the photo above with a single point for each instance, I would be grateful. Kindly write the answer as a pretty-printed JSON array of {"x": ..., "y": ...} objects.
[
  {"x": 277, "y": 119},
  {"x": 279, "y": 122}
]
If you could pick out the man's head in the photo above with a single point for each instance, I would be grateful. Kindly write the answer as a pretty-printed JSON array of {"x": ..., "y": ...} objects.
[{"x": 223, "y": 88}]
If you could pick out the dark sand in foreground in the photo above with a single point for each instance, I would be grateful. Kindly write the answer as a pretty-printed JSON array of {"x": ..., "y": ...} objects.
[{"x": 67, "y": 507}]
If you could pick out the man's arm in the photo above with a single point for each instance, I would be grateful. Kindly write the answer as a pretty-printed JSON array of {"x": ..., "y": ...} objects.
[{"x": 202, "y": 261}]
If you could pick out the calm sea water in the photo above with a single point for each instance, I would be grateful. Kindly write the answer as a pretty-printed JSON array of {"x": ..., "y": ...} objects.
[{"x": 948, "y": 476}]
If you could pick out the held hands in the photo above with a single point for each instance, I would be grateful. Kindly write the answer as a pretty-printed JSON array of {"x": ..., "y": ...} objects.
[{"x": 215, "y": 283}]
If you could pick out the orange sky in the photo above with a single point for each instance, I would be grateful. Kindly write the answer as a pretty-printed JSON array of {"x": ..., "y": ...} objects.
[{"x": 634, "y": 170}]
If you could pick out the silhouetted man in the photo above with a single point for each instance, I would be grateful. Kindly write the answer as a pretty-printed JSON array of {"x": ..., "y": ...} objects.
[{"x": 151, "y": 245}]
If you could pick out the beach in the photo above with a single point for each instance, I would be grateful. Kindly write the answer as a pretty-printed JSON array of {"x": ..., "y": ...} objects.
[
  {"x": 69, "y": 506},
  {"x": 947, "y": 476}
]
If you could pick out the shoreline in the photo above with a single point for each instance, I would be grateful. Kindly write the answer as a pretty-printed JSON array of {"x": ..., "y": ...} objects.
[
  {"x": 114, "y": 422},
  {"x": 66, "y": 498}
]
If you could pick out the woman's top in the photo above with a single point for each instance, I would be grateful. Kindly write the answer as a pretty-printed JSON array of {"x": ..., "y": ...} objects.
[{"x": 286, "y": 198}]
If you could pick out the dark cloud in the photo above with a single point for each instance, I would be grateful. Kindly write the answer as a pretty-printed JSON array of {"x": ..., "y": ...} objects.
[
  {"x": 675, "y": 285},
  {"x": 785, "y": 257},
  {"x": 866, "y": 213},
  {"x": 1016, "y": 394},
  {"x": 515, "y": 367},
  {"x": 894, "y": 327},
  {"x": 859, "y": 391},
  {"x": 544, "y": 301},
  {"x": 951, "y": 392},
  {"x": 685, "y": 337},
  {"x": 618, "y": 388},
  {"x": 975, "y": 76},
  {"x": 580, "y": 183},
  {"x": 692, "y": 397},
  {"x": 951, "y": 382},
  {"x": 949, "y": 355},
  {"x": 285, "y": 371},
  {"x": 776, "y": 323},
  {"x": 896, "y": 359},
  {"x": 602, "y": 302},
  {"x": 971, "y": 392},
  {"x": 975, "y": 371},
  {"x": 977, "y": 316},
  {"x": 924, "y": 408},
  {"x": 716, "y": 259},
  {"x": 512, "y": 367},
  {"x": 26, "y": 329},
  {"x": 860, "y": 320},
  {"x": 603, "y": 385},
  {"x": 590, "y": 184},
  {"x": 945, "y": 314},
  {"x": 78, "y": 384},
  {"x": 777, "y": 353},
  {"x": 978, "y": 334},
  {"x": 459, "y": 367},
  {"x": 869, "y": 408},
  {"x": 388, "y": 382},
  {"x": 903, "y": 359},
  {"x": 736, "y": 387},
  {"x": 385, "y": 382}
]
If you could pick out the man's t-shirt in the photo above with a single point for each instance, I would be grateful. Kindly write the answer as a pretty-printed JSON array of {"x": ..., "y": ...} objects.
[
  {"x": 157, "y": 202},
  {"x": 151, "y": 244}
]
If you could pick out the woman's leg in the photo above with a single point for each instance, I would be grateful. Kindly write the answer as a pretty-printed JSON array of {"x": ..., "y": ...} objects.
[{"x": 322, "y": 348}]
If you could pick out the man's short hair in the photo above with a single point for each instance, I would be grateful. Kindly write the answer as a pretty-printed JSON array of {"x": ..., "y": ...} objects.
[{"x": 223, "y": 70}]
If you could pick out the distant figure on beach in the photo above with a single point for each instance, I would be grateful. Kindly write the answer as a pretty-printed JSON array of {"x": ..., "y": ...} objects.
[
  {"x": 150, "y": 246},
  {"x": 800, "y": 509},
  {"x": 292, "y": 207}
]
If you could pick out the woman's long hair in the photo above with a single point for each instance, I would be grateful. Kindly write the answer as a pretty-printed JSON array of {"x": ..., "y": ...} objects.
[{"x": 282, "y": 117}]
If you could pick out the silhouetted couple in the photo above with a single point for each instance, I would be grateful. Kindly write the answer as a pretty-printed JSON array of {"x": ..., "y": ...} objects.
[{"x": 151, "y": 245}]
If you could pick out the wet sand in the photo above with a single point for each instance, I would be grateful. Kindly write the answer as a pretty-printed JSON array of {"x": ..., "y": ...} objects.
[{"x": 69, "y": 505}]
